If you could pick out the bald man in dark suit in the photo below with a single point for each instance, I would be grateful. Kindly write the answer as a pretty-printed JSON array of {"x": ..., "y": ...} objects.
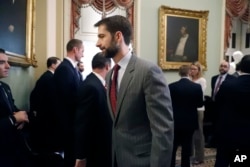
[
  {"x": 93, "y": 124},
  {"x": 186, "y": 98},
  {"x": 67, "y": 82}
]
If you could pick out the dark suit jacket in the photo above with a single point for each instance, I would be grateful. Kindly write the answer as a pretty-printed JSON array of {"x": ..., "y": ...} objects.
[
  {"x": 11, "y": 140},
  {"x": 234, "y": 125},
  {"x": 214, "y": 78},
  {"x": 93, "y": 124},
  {"x": 214, "y": 110},
  {"x": 186, "y": 98},
  {"x": 67, "y": 82},
  {"x": 42, "y": 125}
]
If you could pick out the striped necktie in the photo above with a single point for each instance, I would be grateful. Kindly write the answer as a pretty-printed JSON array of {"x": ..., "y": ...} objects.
[{"x": 217, "y": 87}]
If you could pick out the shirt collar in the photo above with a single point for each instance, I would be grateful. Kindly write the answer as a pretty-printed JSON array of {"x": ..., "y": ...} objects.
[
  {"x": 223, "y": 76},
  {"x": 71, "y": 61},
  {"x": 125, "y": 60},
  {"x": 186, "y": 78},
  {"x": 51, "y": 71}
]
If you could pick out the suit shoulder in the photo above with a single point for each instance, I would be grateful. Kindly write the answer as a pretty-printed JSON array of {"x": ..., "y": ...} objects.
[
  {"x": 4, "y": 84},
  {"x": 47, "y": 74},
  {"x": 146, "y": 65},
  {"x": 144, "y": 62},
  {"x": 229, "y": 76},
  {"x": 172, "y": 84}
]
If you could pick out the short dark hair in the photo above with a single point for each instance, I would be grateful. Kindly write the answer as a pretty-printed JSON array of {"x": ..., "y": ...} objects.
[
  {"x": 245, "y": 64},
  {"x": 100, "y": 61},
  {"x": 73, "y": 43},
  {"x": 184, "y": 70},
  {"x": 2, "y": 50},
  {"x": 117, "y": 23},
  {"x": 237, "y": 66},
  {"x": 52, "y": 60}
]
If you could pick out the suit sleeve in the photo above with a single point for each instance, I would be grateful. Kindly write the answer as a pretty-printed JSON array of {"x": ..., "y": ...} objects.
[
  {"x": 83, "y": 118},
  {"x": 160, "y": 114},
  {"x": 5, "y": 125}
]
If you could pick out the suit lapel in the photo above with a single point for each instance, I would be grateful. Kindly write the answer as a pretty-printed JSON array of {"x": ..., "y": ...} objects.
[
  {"x": 126, "y": 79},
  {"x": 6, "y": 97},
  {"x": 108, "y": 82}
]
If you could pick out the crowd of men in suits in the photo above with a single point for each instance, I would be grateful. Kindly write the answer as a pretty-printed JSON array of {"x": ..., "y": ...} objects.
[
  {"x": 229, "y": 115},
  {"x": 120, "y": 117},
  {"x": 124, "y": 117}
]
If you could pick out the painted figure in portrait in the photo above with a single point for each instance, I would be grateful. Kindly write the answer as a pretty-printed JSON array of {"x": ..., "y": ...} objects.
[{"x": 182, "y": 39}]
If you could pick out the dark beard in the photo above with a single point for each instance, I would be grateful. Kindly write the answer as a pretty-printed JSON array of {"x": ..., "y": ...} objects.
[{"x": 111, "y": 51}]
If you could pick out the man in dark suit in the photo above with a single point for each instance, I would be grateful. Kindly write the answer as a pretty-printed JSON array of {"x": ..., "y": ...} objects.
[
  {"x": 93, "y": 124},
  {"x": 67, "y": 82},
  {"x": 223, "y": 69},
  {"x": 216, "y": 82},
  {"x": 42, "y": 109},
  {"x": 234, "y": 118},
  {"x": 13, "y": 152},
  {"x": 186, "y": 97},
  {"x": 138, "y": 99},
  {"x": 186, "y": 48}
]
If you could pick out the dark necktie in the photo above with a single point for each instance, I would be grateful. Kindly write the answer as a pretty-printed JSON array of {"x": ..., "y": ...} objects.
[
  {"x": 77, "y": 74},
  {"x": 6, "y": 98},
  {"x": 113, "y": 89},
  {"x": 217, "y": 87},
  {"x": 80, "y": 75}
]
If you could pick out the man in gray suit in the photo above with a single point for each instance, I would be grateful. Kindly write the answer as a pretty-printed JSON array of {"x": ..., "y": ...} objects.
[{"x": 141, "y": 107}]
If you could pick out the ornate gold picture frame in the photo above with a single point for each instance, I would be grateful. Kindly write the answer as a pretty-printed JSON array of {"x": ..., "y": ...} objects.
[
  {"x": 17, "y": 34},
  {"x": 182, "y": 37}
]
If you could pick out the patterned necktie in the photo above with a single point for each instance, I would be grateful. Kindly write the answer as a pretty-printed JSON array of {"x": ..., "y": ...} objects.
[
  {"x": 217, "y": 87},
  {"x": 113, "y": 89}
]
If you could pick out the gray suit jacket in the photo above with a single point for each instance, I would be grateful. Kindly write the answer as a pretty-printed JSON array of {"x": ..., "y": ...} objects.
[{"x": 142, "y": 133}]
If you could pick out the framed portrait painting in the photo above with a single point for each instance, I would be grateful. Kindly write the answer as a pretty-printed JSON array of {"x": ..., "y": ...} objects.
[
  {"x": 182, "y": 37},
  {"x": 17, "y": 31}
]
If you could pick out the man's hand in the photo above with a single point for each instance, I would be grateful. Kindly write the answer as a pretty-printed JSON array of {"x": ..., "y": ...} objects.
[
  {"x": 21, "y": 117},
  {"x": 80, "y": 163}
]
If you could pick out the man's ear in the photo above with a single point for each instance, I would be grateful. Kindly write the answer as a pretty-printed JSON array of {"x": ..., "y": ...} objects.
[
  {"x": 118, "y": 35},
  {"x": 53, "y": 66},
  {"x": 107, "y": 67}
]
